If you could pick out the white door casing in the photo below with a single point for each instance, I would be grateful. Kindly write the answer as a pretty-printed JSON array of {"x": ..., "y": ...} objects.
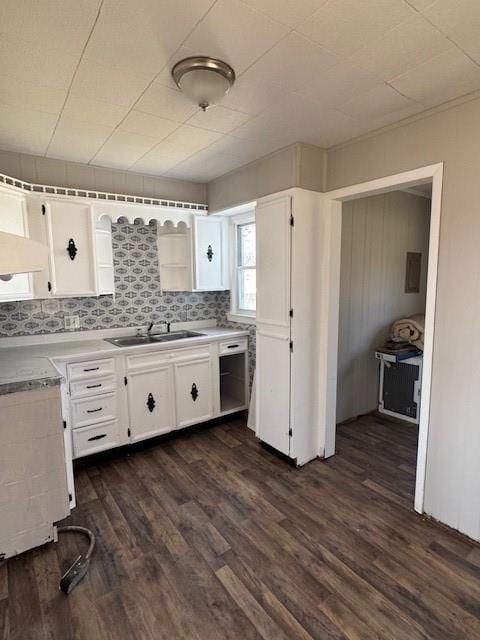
[{"x": 329, "y": 316}]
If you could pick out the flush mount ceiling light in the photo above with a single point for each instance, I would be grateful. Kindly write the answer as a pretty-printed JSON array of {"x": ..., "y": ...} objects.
[{"x": 204, "y": 80}]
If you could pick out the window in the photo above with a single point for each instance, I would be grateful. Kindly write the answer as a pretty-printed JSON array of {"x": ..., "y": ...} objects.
[
  {"x": 244, "y": 281},
  {"x": 246, "y": 272}
]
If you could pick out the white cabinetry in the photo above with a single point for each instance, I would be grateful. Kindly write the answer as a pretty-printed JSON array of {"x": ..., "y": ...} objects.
[
  {"x": 13, "y": 219},
  {"x": 211, "y": 257},
  {"x": 94, "y": 414},
  {"x": 193, "y": 391},
  {"x": 112, "y": 401},
  {"x": 71, "y": 240},
  {"x": 288, "y": 268},
  {"x": 273, "y": 232},
  {"x": 150, "y": 401},
  {"x": 195, "y": 261}
]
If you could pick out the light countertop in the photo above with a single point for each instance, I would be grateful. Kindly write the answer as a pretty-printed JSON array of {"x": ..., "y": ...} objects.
[{"x": 32, "y": 366}]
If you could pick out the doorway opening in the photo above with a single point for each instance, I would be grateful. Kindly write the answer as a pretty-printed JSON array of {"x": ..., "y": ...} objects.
[
  {"x": 360, "y": 309},
  {"x": 383, "y": 282}
]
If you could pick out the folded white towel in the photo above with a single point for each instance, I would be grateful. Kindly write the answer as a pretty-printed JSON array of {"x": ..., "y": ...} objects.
[{"x": 410, "y": 329}]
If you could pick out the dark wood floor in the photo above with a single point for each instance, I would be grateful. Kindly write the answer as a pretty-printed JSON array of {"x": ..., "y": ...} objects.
[{"x": 209, "y": 536}]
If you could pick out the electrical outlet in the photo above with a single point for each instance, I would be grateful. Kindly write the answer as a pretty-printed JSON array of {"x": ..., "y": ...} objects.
[{"x": 72, "y": 322}]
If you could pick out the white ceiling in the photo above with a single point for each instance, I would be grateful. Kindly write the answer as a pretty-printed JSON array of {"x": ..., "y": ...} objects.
[{"x": 89, "y": 80}]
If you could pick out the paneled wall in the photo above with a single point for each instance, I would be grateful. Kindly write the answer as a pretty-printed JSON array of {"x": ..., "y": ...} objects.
[
  {"x": 377, "y": 232},
  {"x": 61, "y": 173},
  {"x": 298, "y": 165}
]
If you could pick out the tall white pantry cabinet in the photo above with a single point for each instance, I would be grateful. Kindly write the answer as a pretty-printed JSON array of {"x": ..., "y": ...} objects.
[{"x": 288, "y": 282}]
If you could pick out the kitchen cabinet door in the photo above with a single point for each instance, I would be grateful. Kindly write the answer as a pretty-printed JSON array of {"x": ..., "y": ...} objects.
[
  {"x": 150, "y": 402},
  {"x": 193, "y": 391},
  {"x": 273, "y": 230},
  {"x": 71, "y": 239},
  {"x": 13, "y": 219},
  {"x": 211, "y": 264}
]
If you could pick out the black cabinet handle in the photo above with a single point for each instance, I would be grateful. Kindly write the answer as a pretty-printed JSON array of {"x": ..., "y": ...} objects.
[
  {"x": 92, "y": 369},
  {"x": 72, "y": 249},
  {"x": 210, "y": 253},
  {"x": 233, "y": 346},
  {"x": 93, "y": 386},
  {"x": 94, "y": 410},
  {"x": 194, "y": 392},
  {"x": 99, "y": 437},
  {"x": 150, "y": 402}
]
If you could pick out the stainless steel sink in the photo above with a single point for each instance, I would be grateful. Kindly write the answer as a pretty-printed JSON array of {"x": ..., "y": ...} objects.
[
  {"x": 175, "y": 335},
  {"x": 132, "y": 341}
]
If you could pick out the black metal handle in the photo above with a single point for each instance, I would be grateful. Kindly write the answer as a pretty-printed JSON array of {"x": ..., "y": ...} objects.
[
  {"x": 232, "y": 346},
  {"x": 94, "y": 410},
  {"x": 93, "y": 386},
  {"x": 150, "y": 402},
  {"x": 92, "y": 369},
  {"x": 194, "y": 392},
  {"x": 99, "y": 437},
  {"x": 72, "y": 249},
  {"x": 210, "y": 253}
]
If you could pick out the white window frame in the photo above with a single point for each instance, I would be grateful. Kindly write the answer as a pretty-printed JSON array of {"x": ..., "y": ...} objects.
[{"x": 236, "y": 314}]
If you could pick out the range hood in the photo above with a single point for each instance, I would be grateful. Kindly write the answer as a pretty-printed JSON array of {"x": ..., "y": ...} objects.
[{"x": 20, "y": 255}]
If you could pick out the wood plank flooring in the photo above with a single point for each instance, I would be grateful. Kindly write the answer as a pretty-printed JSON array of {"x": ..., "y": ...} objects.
[{"x": 209, "y": 536}]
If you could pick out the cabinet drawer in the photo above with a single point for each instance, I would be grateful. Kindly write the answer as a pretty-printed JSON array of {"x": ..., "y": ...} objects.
[
  {"x": 92, "y": 386},
  {"x": 233, "y": 345},
  {"x": 160, "y": 358},
  {"x": 92, "y": 410},
  {"x": 91, "y": 369},
  {"x": 194, "y": 353},
  {"x": 93, "y": 439}
]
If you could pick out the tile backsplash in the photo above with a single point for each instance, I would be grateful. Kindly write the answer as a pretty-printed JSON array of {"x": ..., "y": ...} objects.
[{"x": 138, "y": 298}]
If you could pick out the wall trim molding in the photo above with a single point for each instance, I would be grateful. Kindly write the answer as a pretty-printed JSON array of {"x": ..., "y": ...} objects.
[{"x": 99, "y": 196}]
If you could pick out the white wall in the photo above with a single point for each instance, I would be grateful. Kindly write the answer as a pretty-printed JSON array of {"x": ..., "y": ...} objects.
[{"x": 377, "y": 232}]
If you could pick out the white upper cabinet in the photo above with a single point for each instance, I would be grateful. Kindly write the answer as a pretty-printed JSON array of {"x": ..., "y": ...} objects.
[
  {"x": 211, "y": 256},
  {"x": 194, "y": 259},
  {"x": 71, "y": 240},
  {"x": 13, "y": 219}
]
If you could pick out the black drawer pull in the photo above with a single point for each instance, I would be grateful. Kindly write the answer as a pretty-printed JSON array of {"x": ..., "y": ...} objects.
[
  {"x": 93, "y": 386},
  {"x": 94, "y": 410},
  {"x": 92, "y": 369},
  {"x": 233, "y": 346},
  {"x": 194, "y": 392},
  {"x": 99, "y": 437}
]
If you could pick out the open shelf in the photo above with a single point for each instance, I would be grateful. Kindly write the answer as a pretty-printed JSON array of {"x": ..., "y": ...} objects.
[
  {"x": 174, "y": 246},
  {"x": 233, "y": 395}
]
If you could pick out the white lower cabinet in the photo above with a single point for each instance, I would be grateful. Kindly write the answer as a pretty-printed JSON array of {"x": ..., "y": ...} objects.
[
  {"x": 111, "y": 402},
  {"x": 150, "y": 402},
  {"x": 193, "y": 392}
]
